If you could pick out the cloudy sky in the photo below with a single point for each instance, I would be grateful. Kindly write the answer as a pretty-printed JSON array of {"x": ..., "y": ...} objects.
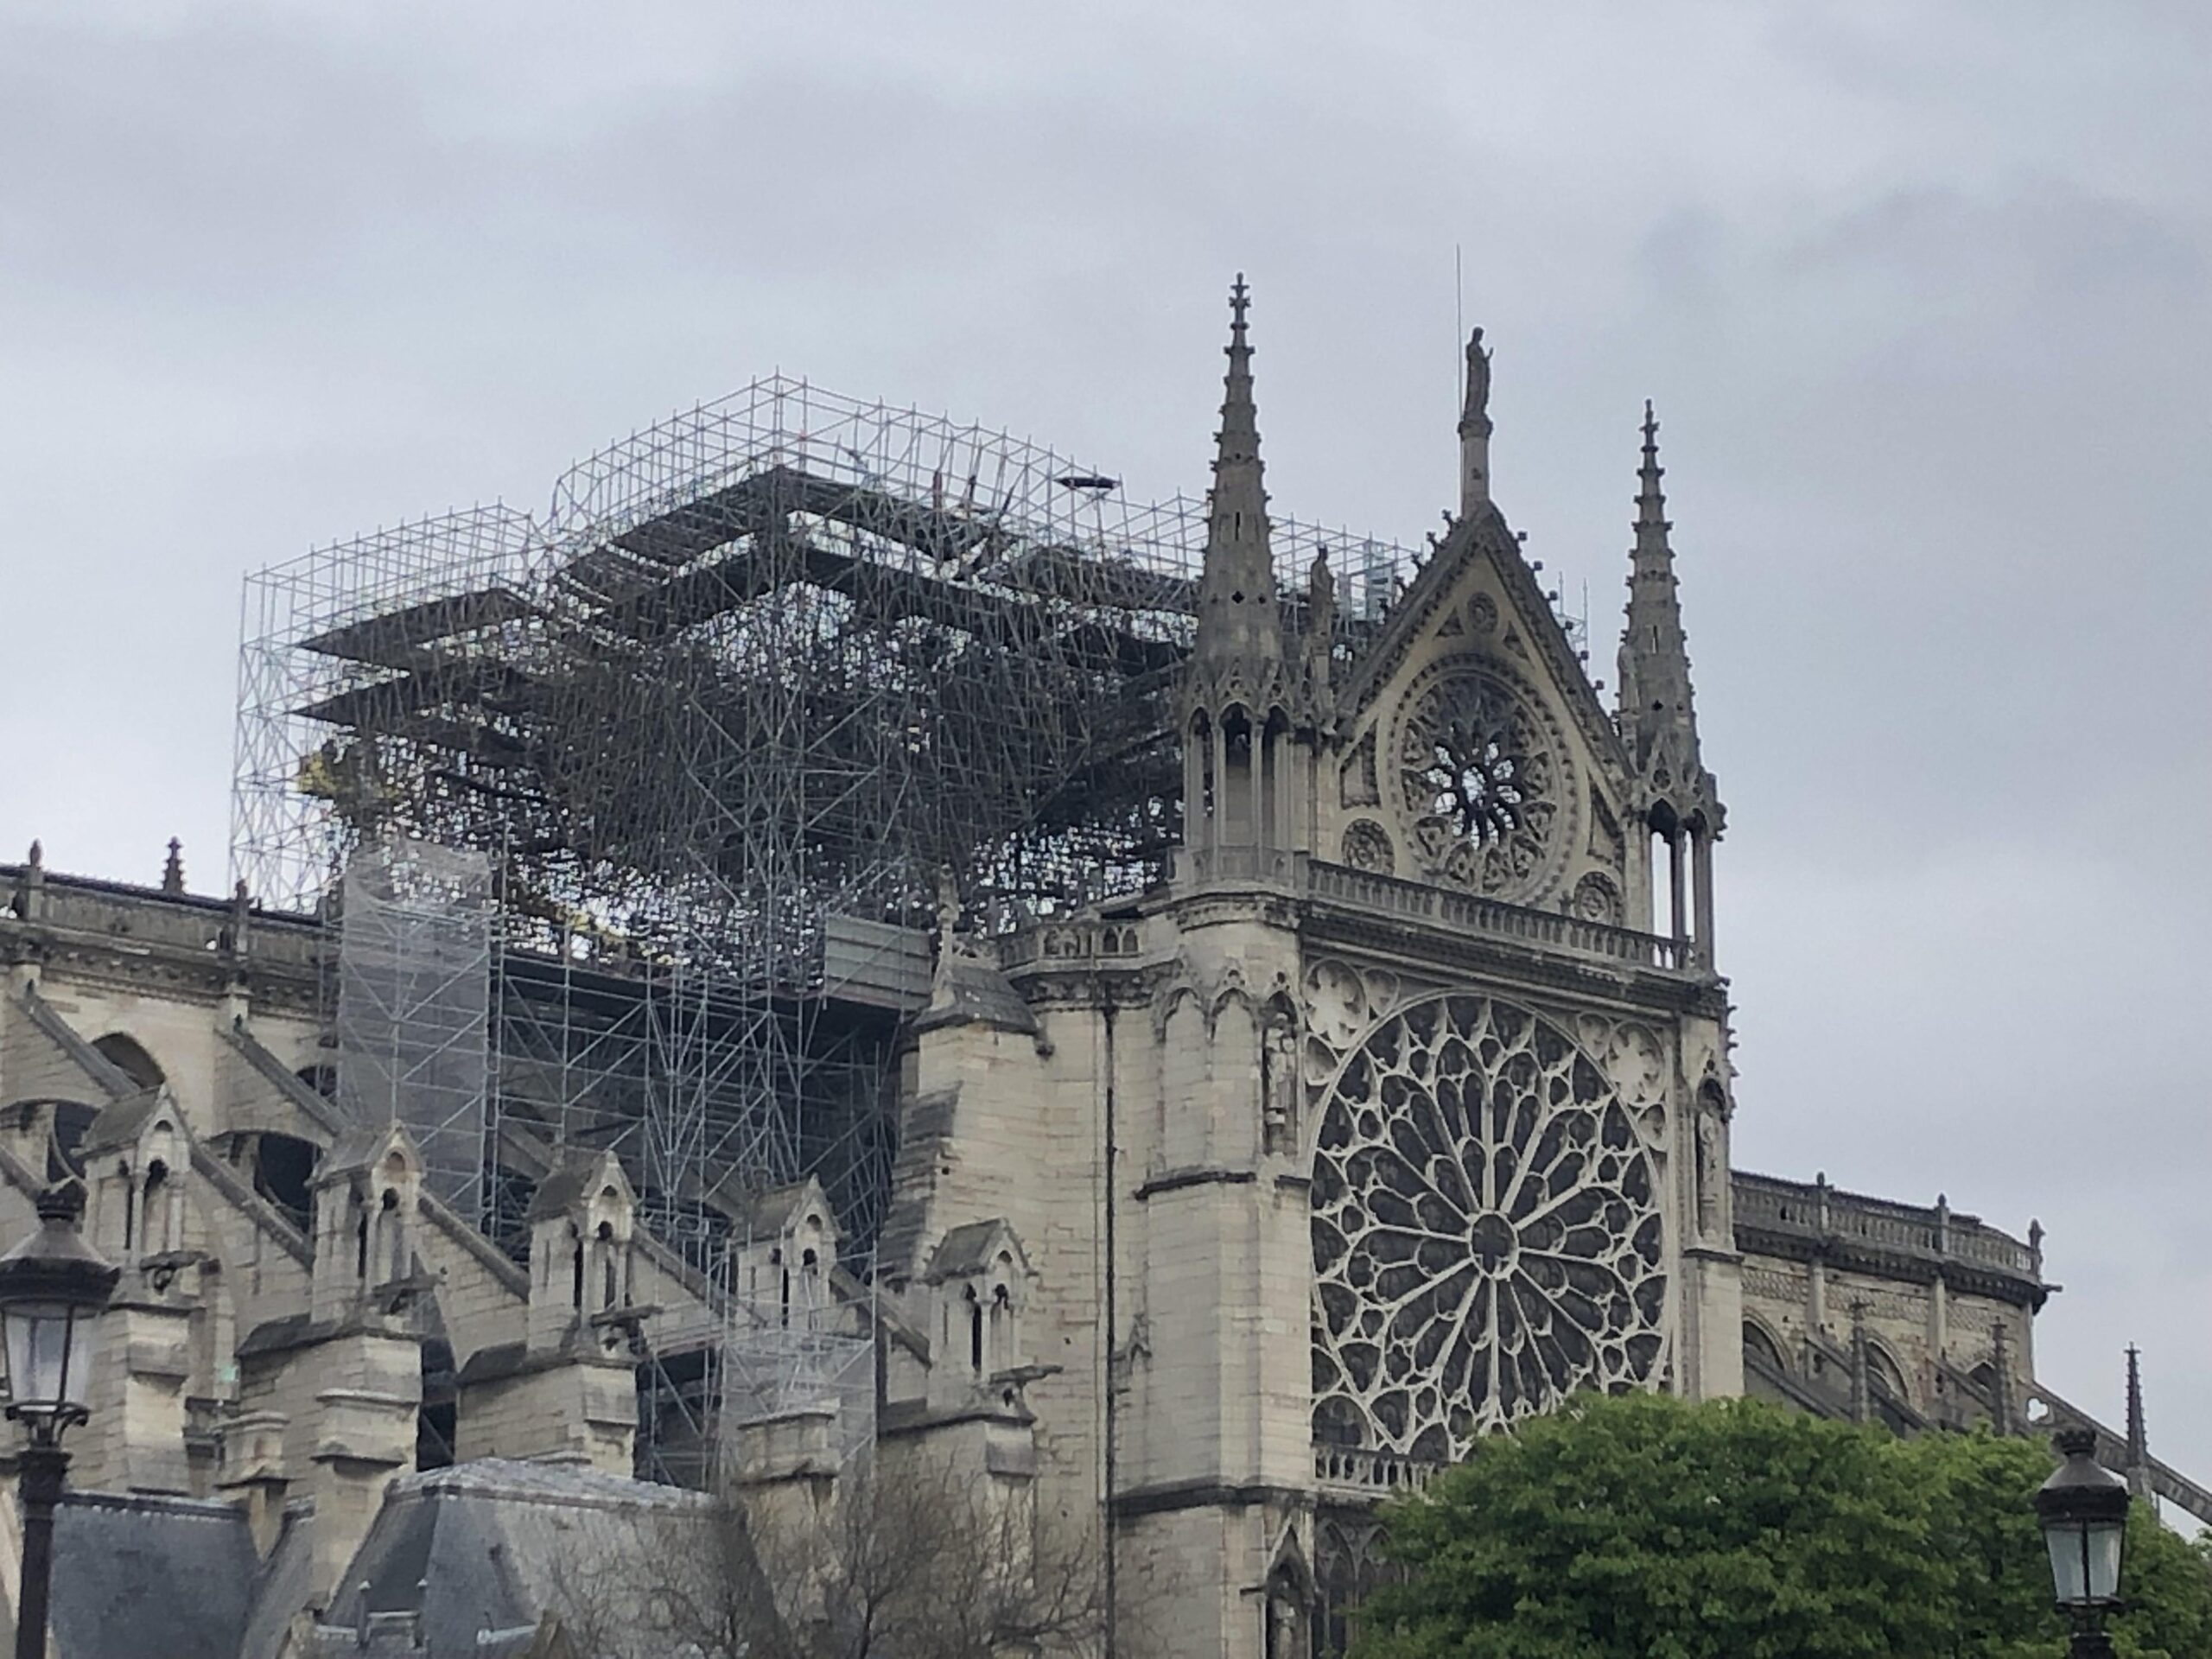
[{"x": 1922, "y": 294}]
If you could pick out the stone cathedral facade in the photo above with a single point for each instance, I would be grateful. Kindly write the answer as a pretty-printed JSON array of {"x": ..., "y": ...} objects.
[
  {"x": 1392, "y": 1117},
  {"x": 1401, "y": 1111}
]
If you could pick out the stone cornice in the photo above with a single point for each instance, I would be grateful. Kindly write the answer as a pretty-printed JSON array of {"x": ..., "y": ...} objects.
[
  {"x": 1162, "y": 1497},
  {"x": 1905, "y": 1267},
  {"x": 1420, "y": 947},
  {"x": 1176, "y": 1180}
]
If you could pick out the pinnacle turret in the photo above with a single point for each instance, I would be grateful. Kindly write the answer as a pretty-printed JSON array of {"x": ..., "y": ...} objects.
[
  {"x": 1656, "y": 713},
  {"x": 2139, "y": 1437},
  {"x": 1240, "y": 628}
]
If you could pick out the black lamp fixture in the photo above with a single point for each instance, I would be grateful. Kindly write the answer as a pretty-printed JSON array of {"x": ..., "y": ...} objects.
[
  {"x": 53, "y": 1287},
  {"x": 2084, "y": 1511}
]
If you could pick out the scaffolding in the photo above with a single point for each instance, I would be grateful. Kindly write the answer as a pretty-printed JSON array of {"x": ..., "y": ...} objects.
[
  {"x": 725, "y": 722},
  {"x": 413, "y": 1015}
]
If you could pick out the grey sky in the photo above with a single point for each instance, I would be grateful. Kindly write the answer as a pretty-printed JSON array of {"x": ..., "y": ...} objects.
[{"x": 1922, "y": 293}]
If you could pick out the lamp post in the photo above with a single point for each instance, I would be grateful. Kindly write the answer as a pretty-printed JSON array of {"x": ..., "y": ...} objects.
[
  {"x": 52, "y": 1288},
  {"x": 2084, "y": 1511}
]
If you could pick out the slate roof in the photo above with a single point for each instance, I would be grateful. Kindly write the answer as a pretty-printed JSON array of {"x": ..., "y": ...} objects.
[
  {"x": 970, "y": 992},
  {"x": 120, "y": 1122},
  {"x": 967, "y": 1248},
  {"x": 771, "y": 1213},
  {"x": 135, "y": 1576},
  {"x": 283, "y": 1586},
  {"x": 569, "y": 1182},
  {"x": 480, "y": 1551}
]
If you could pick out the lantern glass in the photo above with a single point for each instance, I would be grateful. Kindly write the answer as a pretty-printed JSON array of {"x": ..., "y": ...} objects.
[
  {"x": 2085, "y": 1561},
  {"x": 2067, "y": 1542},
  {"x": 2103, "y": 1541},
  {"x": 49, "y": 1357}
]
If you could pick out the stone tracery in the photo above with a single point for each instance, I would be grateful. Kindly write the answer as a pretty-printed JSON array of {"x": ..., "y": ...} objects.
[
  {"x": 1481, "y": 779},
  {"x": 1486, "y": 1230}
]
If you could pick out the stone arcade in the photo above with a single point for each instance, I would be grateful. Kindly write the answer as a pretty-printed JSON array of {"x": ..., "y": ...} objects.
[{"x": 1399, "y": 1109}]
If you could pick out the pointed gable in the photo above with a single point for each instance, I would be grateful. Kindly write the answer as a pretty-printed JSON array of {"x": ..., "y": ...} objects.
[
  {"x": 1442, "y": 603},
  {"x": 1470, "y": 748}
]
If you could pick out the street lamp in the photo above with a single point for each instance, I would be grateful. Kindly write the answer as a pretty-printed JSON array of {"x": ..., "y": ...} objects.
[
  {"x": 53, "y": 1288},
  {"x": 2083, "y": 1511}
]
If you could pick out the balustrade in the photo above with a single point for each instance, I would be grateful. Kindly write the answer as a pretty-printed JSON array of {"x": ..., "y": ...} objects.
[
  {"x": 1369, "y": 1471},
  {"x": 1342, "y": 884}
]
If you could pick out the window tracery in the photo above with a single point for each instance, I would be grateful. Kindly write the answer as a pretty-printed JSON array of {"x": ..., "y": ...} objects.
[
  {"x": 1487, "y": 1232},
  {"x": 1482, "y": 781}
]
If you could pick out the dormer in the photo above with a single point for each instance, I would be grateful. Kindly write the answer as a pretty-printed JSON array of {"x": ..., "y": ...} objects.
[
  {"x": 979, "y": 1277},
  {"x": 135, "y": 1156},
  {"x": 583, "y": 1221},
  {"x": 366, "y": 1194},
  {"x": 783, "y": 1249}
]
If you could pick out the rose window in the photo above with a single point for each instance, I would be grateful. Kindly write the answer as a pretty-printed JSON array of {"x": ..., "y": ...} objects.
[
  {"x": 1478, "y": 778},
  {"x": 1486, "y": 1231}
]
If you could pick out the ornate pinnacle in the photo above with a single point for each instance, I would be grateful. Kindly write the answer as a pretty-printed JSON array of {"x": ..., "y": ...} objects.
[{"x": 1239, "y": 626}]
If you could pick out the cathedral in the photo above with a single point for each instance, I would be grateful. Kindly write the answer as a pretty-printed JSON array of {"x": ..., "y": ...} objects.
[{"x": 1392, "y": 1105}]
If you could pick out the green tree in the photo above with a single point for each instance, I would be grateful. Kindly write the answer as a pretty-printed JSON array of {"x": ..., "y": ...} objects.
[{"x": 1640, "y": 1527}]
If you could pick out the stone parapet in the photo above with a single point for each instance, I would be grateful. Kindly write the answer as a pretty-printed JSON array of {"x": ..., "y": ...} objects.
[{"x": 1796, "y": 1220}]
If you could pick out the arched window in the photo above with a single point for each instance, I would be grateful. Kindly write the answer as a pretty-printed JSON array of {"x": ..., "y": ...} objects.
[
  {"x": 393, "y": 1239},
  {"x": 1001, "y": 1327},
  {"x": 974, "y": 1330},
  {"x": 156, "y": 1213},
  {"x": 127, "y": 1056},
  {"x": 606, "y": 1272},
  {"x": 576, "y": 1268}
]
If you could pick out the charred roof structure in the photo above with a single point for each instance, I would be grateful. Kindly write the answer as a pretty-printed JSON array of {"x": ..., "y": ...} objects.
[{"x": 774, "y": 691}]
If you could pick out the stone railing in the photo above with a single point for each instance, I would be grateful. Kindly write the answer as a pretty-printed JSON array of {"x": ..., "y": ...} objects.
[
  {"x": 1359, "y": 1469},
  {"x": 1087, "y": 940},
  {"x": 1269, "y": 866},
  {"x": 146, "y": 916},
  {"x": 1821, "y": 1213},
  {"x": 1342, "y": 884}
]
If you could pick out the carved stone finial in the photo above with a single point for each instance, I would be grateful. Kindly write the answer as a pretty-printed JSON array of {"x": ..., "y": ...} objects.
[
  {"x": 1477, "y": 406},
  {"x": 2138, "y": 1435},
  {"x": 38, "y": 855},
  {"x": 948, "y": 907},
  {"x": 173, "y": 870},
  {"x": 1475, "y": 431}
]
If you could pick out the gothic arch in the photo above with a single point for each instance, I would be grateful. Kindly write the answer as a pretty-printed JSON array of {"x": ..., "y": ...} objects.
[
  {"x": 1882, "y": 1364},
  {"x": 1761, "y": 1339},
  {"x": 128, "y": 1056}
]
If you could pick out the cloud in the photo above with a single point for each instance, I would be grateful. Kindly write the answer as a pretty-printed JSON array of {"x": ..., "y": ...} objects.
[{"x": 1920, "y": 295}]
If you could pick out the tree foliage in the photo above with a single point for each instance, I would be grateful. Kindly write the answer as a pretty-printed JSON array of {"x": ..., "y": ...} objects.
[{"x": 1640, "y": 1527}]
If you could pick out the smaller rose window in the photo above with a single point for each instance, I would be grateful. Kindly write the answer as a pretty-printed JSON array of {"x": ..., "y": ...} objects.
[{"x": 1478, "y": 778}]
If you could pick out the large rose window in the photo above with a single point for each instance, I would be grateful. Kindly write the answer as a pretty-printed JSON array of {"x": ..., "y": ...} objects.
[
  {"x": 1486, "y": 1231},
  {"x": 1479, "y": 779}
]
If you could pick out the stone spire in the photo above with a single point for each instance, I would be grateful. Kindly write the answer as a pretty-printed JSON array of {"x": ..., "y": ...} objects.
[
  {"x": 1657, "y": 714},
  {"x": 1240, "y": 629},
  {"x": 1475, "y": 429},
  {"x": 2138, "y": 1439},
  {"x": 173, "y": 870}
]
